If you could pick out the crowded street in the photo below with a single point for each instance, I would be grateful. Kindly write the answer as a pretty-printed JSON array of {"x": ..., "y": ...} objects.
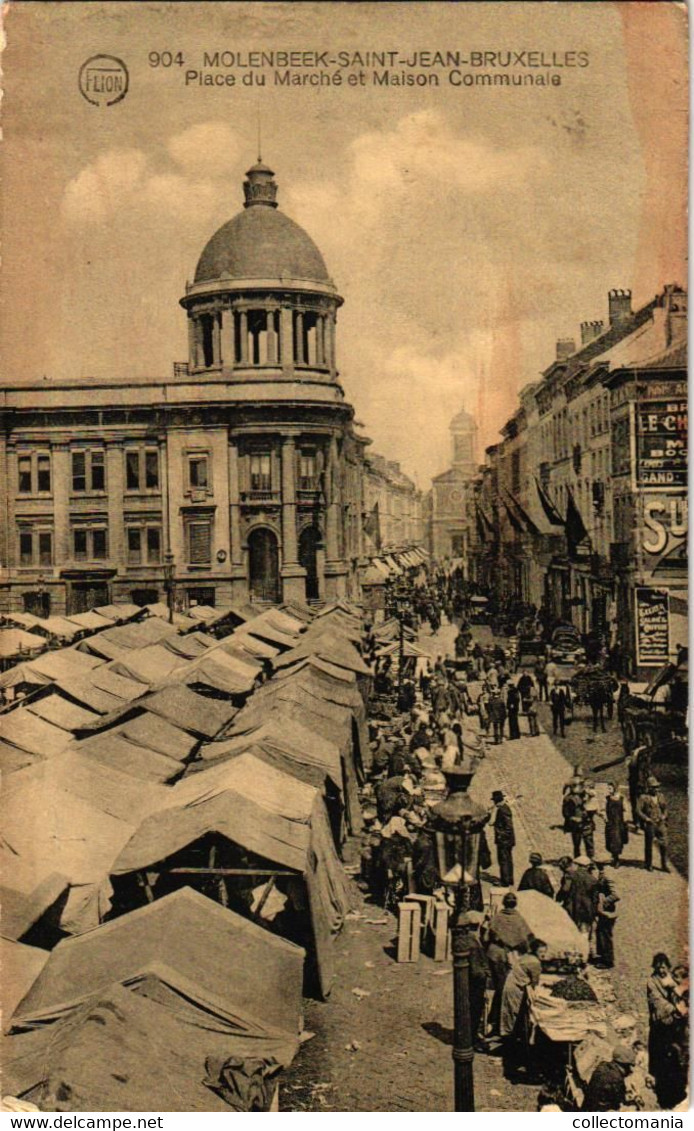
[{"x": 338, "y": 1070}]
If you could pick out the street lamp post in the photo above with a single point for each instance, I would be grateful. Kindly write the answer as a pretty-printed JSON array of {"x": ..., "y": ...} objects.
[
  {"x": 456, "y": 826},
  {"x": 169, "y": 570}
]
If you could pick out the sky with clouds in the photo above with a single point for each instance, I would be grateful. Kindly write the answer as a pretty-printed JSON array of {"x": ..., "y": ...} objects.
[{"x": 466, "y": 228}]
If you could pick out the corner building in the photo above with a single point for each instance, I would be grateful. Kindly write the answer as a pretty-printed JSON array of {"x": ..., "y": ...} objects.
[{"x": 244, "y": 465}]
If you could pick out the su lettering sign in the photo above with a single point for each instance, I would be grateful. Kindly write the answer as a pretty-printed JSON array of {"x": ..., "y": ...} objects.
[{"x": 664, "y": 533}]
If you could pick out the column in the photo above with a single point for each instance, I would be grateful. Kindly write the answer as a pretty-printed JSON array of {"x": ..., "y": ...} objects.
[
  {"x": 192, "y": 343},
  {"x": 331, "y": 340},
  {"x": 216, "y": 339},
  {"x": 60, "y": 482},
  {"x": 335, "y": 567},
  {"x": 286, "y": 347},
  {"x": 320, "y": 341},
  {"x": 234, "y": 503},
  {"x": 115, "y": 489},
  {"x": 227, "y": 338},
  {"x": 243, "y": 318},
  {"x": 271, "y": 337},
  {"x": 300, "y": 340},
  {"x": 293, "y": 574}
]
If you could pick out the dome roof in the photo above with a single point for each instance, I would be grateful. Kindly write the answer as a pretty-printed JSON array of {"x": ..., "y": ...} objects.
[
  {"x": 260, "y": 242},
  {"x": 463, "y": 420}
]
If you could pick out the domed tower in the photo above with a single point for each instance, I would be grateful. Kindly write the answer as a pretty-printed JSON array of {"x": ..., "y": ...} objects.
[
  {"x": 463, "y": 428},
  {"x": 262, "y": 305},
  {"x": 261, "y": 319}
]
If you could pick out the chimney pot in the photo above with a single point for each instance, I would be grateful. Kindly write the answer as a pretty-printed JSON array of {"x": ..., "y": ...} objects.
[
  {"x": 619, "y": 304},
  {"x": 590, "y": 331},
  {"x": 565, "y": 347}
]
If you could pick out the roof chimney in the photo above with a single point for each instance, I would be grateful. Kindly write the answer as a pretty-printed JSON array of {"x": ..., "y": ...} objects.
[
  {"x": 565, "y": 347},
  {"x": 590, "y": 331},
  {"x": 619, "y": 306}
]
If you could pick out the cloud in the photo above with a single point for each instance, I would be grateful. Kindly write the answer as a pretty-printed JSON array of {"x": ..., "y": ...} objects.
[
  {"x": 188, "y": 178},
  {"x": 209, "y": 149}
]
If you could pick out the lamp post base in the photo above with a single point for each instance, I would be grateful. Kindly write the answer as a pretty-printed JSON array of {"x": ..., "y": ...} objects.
[{"x": 463, "y": 1053}]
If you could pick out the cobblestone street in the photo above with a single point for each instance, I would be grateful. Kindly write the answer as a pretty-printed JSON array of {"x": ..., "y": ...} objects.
[{"x": 382, "y": 1041}]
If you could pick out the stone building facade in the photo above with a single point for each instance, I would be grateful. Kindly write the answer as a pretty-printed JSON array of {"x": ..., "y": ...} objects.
[
  {"x": 393, "y": 506},
  {"x": 604, "y": 433},
  {"x": 243, "y": 466}
]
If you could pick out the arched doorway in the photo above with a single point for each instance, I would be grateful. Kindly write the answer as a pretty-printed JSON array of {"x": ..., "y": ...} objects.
[
  {"x": 309, "y": 544},
  {"x": 263, "y": 566}
]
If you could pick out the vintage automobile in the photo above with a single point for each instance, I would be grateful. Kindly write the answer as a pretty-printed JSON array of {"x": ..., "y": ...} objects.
[{"x": 565, "y": 646}]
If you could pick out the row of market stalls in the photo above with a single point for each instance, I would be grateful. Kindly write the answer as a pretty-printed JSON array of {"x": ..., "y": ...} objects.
[{"x": 175, "y": 803}]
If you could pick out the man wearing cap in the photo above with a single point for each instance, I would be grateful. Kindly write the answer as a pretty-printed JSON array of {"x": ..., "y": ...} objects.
[
  {"x": 535, "y": 878},
  {"x": 651, "y": 811},
  {"x": 508, "y": 932},
  {"x": 501, "y": 818},
  {"x": 606, "y": 1090}
]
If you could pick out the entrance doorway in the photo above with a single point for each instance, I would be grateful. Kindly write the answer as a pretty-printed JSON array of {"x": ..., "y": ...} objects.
[
  {"x": 309, "y": 543},
  {"x": 84, "y": 596},
  {"x": 263, "y": 566}
]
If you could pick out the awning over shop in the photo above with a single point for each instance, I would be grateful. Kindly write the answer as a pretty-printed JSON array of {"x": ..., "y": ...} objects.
[
  {"x": 56, "y": 709},
  {"x": 15, "y": 642},
  {"x": 21, "y": 966}
]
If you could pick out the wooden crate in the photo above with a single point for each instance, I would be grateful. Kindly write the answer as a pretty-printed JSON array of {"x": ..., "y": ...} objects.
[
  {"x": 426, "y": 902},
  {"x": 440, "y": 932},
  {"x": 409, "y": 931}
]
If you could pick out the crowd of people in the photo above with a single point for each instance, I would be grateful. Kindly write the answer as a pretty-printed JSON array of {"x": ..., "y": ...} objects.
[{"x": 456, "y": 708}]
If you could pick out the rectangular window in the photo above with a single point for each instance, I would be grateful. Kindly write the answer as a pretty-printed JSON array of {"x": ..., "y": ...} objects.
[
  {"x": 261, "y": 474},
  {"x": 98, "y": 471},
  {"x": 132, "y": 471},
  {"x": 153, "y": 544},
  {"x": 307, "y": 471},
  {"x": 99, "y": 544},
  {"x": 26, "y": 548},
  {"x": 24, "y": 468},
  {"x": 199, "y": 543},
  {"x": 79, "y": 542},
  {"x": 79, "y": 471},
  {"x": 45, "y": 548},
  {"x": 134, "y": 546},
  {"x": 151, "y": 469},
  {"x": 197, "y": 471},
  {"x": 43, "y": 475}
]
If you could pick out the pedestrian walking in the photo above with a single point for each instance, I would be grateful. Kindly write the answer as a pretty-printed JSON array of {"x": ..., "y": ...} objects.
[
  {"x": 535, "y": 877},
  {"x": 525, "y": 682},
  {"x": 497, "y": 714},
  {"x": 557, "y": 701},
  {"x": 513, "y": 710},
  {"x": 531, "y": 712},
  {"x": 483, "y": 708},
  {"x": 573, "y": 814},
  {"x": 605, "y": 919},
  {"x": 616, "y": 832},
  {"x": 582, "y": 897},
  {"x": 596, "y": 700},
  {"x": 508, "y": 934},
  {"x": 479, "y": 973},
  {"x": 501, "y": 819},
  {"x": 541, "y": 678},
  {"x": 652, "y": 813}
]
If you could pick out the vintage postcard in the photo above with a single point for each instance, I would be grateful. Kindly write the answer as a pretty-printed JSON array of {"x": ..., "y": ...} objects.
[{"x": 343, "y": 557}]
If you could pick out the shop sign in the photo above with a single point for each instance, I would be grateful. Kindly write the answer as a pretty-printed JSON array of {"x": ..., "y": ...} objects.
[
  {"x": 652, "y": 627},
  {"x": 664, "y": 533},
  {"x": 661, "y": 444}
]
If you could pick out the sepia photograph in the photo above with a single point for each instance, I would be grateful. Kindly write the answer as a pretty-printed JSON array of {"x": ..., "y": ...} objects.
[{"x": 343, "y": 559}]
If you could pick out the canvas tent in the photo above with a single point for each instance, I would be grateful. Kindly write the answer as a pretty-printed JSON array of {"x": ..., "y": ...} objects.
[
  {"x": 21, "y": 966},
  {"x": 280, "y": 821},
  {"x": 59, "y": 711},
  {"x": 190, "y": 948},
  {"x": 124, "y": 1051},
  {"x": 31, "y": 910}
]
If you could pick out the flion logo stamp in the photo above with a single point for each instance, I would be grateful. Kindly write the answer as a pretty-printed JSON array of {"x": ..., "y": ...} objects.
[{"x": 103, "y": 80}]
